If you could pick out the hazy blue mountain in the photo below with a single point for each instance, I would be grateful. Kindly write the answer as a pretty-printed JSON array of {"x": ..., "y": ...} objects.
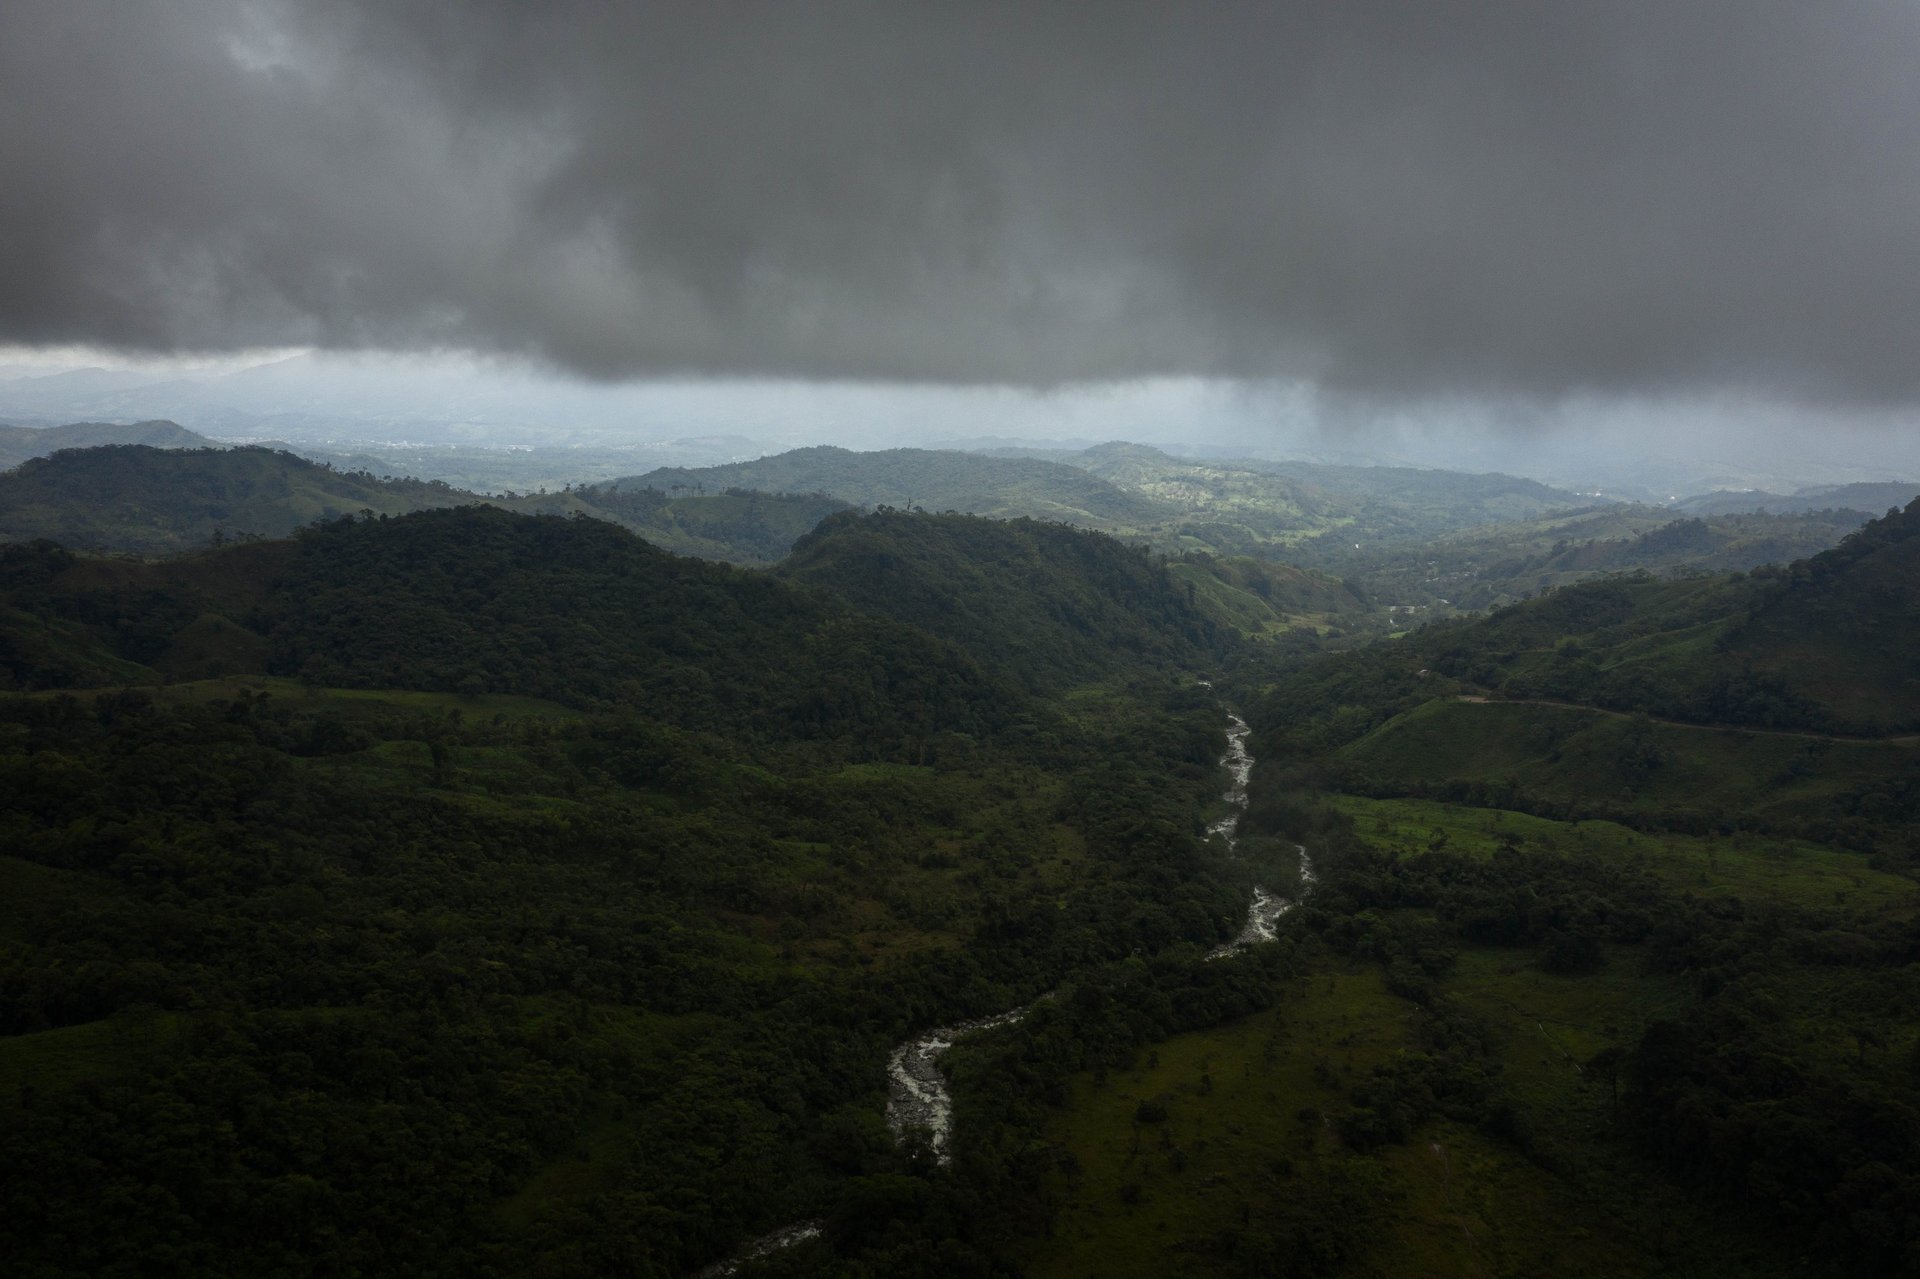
[
  {"x": 1870, "y": 498},
  {"x": 17, "y": 444}
]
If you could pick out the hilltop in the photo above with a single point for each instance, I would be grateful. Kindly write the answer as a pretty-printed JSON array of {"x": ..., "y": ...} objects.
[
  {"x": 476, "y": 600},
  {"x": 18, "y": 443},
  {"x": 133, "y": 497},
  {"x": 1868, "y": 498},
  {"x": 1041, "y": 604},
  {"x": 147, "y": 500},
  {"x": 924, "y": 479}
]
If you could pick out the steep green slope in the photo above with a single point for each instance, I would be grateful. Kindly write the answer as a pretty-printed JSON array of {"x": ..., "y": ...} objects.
[
  {"x": 581, "y": 611},
  {"x": 1259, "y": 598},
  {"x": 148, "y": 500},
  {"x": 1042, "y": 604},
  {"x": 479, "y": 600},
  {"x": 924, "y": 479},
  {"x": 1843, "y": 628},
  {"x": 1825, "y": 646}
]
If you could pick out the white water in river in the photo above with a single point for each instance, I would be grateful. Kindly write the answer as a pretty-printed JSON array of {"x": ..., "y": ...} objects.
[
  {"x": 917, "y": 1095},
  {"x": 1266, "y": 908},
  {"x": 785, "y": 1237}
]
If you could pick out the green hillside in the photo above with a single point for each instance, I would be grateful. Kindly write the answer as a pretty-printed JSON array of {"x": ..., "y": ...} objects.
[
  {"x": 1426, "y": 501},
  {"x": 1823, "y": 646},
  {"x": 1843, "y": 628},
  {"x": 1232, "y": 509},
  {"x": 143, "y": 499},
  {"x": 403, "y": 895},
  {"x": 1490, "y": 566},
  {"x": 476, "y": 600},
  {"x": 1261, "y": 599},
  {"x": 1582, "y": 986},
  {"x": 1041, "y": 604},
  {"x": 140, "y": 499},
  {"x": 924, "y": 479},
  {"x": 467, "y": 891}
]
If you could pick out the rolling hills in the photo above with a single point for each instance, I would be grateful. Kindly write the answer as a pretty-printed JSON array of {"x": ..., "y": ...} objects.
[
  {"x": 480, "y": 874},
  {"x": 925, "y": 479},
  {"x": 1041, "y": 604},
  {"x": 18, "y": 443},
  {"x": 147, "y": 500},
  {"x": 466, "y": 890}
]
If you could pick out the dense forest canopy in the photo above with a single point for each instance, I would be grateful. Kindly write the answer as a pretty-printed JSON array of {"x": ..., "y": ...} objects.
[{"x": 466, "y": 890}]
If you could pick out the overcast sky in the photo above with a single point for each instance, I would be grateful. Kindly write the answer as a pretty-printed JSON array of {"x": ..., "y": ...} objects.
[{"x": 1392, "y": 206}]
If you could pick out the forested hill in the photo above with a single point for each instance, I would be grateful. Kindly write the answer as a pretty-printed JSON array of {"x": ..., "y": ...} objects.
[
  {"x": 1432, "y": 500},
  {"x": 926, "y": 479},
  {"x": 18, "y": 443},
  {"x": 479, "y": 600},
  {"x": 1830, "y": 644},
  {"x": 1843, "y": 627},
  {"x": 150, "y": 500},
  {"x": 1041, "y": 604},
  {"x": 132, "y": 497}
]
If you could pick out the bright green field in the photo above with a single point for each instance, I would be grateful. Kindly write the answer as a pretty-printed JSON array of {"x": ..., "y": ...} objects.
[
  {"x": 1743, "y": 865},
  {"x": 1246, "y": 1141},
  {"x": 1578, "y": 754}
]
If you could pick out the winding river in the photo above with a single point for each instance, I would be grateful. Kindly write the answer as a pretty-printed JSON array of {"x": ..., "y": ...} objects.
[{"x": 917, "y": 1096}]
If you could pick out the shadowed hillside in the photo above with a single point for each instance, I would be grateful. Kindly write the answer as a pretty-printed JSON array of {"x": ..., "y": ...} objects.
[
  {"x": 1042, "y": 604},
  {"x": 152, "y": 501},
  {"x": 476, "y": 600}
]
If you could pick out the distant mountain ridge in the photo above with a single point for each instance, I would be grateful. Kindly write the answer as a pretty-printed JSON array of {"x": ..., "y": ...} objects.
[
  {"x": 1233, "y": 508},
  {"x": 152, "y": 501},
  {"x": 19, "y": 443},
  {"x": 889, "y": 626},
  {"x": 924, "y": 479},
  {"x": 1869, "y": 498}
]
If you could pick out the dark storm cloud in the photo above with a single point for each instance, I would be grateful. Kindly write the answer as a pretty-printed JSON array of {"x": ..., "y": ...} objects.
[{"x": 1390, "y": 199}]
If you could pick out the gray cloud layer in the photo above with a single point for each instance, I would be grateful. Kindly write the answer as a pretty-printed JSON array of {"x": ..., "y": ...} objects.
[{"x": 1396, "y": 200}]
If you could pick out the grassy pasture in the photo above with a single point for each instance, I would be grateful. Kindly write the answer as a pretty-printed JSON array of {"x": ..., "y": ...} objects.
[
  {"x": 1246, "y": 1145},
  {"x": 1567, "y": 753},
  {"x": 1744, "y": 865}
]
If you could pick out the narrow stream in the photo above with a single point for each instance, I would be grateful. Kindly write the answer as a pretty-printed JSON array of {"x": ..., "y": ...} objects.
[
  {"x": 1266, "y": 908},
  {"x": 917, "y": 1095}
]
